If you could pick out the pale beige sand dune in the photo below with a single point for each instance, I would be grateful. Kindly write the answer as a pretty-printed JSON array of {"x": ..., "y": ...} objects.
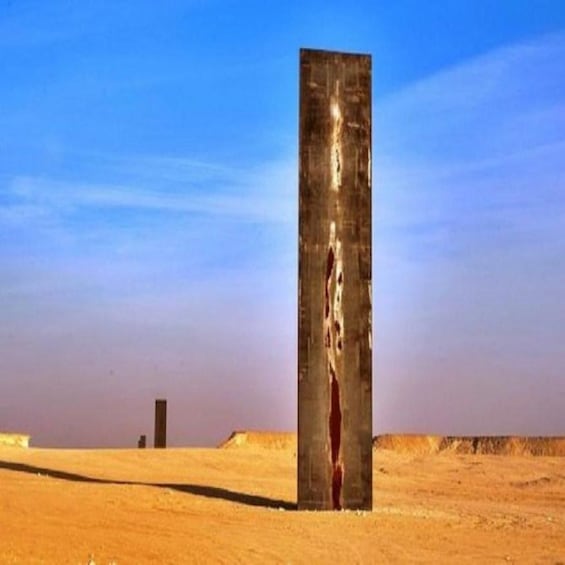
[{"x": 222, "y": 506}]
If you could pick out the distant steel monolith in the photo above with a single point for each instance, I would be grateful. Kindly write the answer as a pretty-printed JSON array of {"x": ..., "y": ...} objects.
[{"x": 160, "y": 437}]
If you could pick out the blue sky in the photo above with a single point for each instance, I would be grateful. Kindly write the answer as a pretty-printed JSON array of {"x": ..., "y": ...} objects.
[{"x": 148, "y": 214}]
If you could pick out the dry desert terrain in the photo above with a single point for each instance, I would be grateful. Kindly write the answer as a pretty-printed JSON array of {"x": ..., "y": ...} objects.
[{"x": 236, "y": 505}]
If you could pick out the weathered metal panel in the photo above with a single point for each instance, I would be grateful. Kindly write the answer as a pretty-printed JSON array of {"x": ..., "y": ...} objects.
[
  {"x": 160, "y": 436},
  {"x": 334, "y": 327}
]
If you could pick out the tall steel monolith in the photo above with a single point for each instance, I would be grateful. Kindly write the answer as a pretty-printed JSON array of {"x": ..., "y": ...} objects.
[
  {"x": 334, "y": 301},
  {"x": 160, "y": 436}
]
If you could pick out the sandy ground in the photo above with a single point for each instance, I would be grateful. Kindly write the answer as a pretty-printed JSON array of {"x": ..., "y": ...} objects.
[{"x": 236, "y": 506}]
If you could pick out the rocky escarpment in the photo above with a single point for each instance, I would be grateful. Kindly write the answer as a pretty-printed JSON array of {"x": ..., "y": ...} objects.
[
  {"x": 14, "y": 440},
  {"x": 418, "y": 444},
  {"x": 481, "y": 445}
]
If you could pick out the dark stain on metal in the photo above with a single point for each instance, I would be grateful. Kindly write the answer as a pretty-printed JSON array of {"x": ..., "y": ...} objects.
[
  {"x": 335, "y": 440},
  {"x": 337, "y": 483}
]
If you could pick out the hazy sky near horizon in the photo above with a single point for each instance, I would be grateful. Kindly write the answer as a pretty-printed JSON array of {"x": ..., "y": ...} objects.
[{"x": 148, "y": 214}]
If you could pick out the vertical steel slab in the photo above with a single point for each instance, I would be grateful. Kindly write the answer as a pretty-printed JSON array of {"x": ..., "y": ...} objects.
[
  {"x": 334, "y": 301},
  {"x": 160, "y": 436}
]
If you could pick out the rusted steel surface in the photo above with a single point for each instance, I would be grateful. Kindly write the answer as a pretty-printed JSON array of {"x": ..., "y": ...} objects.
[
  {"x": 160, "y": 436},
  {"x": 334, "y": 326}
]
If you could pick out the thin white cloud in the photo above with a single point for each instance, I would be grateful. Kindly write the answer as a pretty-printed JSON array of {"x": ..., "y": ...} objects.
[
  {"x": 265, "y": 194},
  {"x": 476, "y": 142}
]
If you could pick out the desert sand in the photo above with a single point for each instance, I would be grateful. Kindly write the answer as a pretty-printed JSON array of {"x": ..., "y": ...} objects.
[{"x": 236, "y": 505}]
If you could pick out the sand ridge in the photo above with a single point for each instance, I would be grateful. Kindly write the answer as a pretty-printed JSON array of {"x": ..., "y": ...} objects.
[{"x": 267, "y": 440}]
